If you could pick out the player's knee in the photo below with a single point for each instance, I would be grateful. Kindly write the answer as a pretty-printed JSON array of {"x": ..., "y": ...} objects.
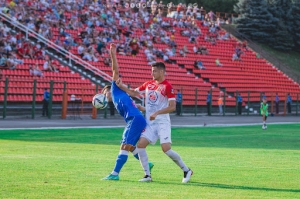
[
  {"x": 165, "y": 147},
  {"x": 127, "y": 147},
  {"x": 143, "y": 142}
]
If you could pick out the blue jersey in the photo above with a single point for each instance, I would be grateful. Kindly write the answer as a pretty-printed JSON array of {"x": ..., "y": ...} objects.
[{"x": 123, "y": 103}]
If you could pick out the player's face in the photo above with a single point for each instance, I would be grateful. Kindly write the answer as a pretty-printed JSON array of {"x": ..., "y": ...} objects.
[
  {"x": 157, "y": 74},
  {"x": 107, "y": 94}
]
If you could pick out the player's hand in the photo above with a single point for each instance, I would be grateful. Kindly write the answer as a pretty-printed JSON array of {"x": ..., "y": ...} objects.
[
  {"x": 113, "y": 49},
  {"x": 140, "y": 107},
  {"x": 153, "y": 116}
]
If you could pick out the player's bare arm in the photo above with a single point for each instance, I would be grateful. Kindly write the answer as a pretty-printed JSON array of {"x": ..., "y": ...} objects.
[
  {"x": 141, "y": 108},
  {"x": 169, "y": 109},
  {"x": 114, "y": 65},
  {"x": 130, "y": 92}
]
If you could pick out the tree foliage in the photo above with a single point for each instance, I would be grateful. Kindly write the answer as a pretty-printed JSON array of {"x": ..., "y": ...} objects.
[
  {"x": 275, "y": 22},
  {"x": 296, "y": 25},
  {"x": 255, "y": 20}
]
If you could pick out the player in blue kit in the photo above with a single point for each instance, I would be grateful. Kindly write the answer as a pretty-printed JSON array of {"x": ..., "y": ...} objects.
[{"x": 136, "y": 122}]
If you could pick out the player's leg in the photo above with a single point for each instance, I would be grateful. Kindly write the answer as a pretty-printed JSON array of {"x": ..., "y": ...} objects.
[
  {"x": 123, "y": 154},
  {"x": 264, "y": 120},
  {"x": 165, "y": 142},
  {"x": 138, "y": 125},
  {"x": 148, "y": 136},
  {"x": 143, "y": 156}
]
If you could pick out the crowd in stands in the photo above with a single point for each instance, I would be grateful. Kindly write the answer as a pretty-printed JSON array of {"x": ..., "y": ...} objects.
[
  {"x": 101, "y": 22},
  {"x": 14, "y": 48}
]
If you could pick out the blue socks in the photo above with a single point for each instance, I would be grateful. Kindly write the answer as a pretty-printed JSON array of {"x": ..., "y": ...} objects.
[{"x": 120, "y": 161}]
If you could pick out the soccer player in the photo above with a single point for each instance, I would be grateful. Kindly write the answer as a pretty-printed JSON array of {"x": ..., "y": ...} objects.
[
  {"x": 160, "y": 101},
  {"x": 136, "y": 122},
  {"x": 264, "y": 112}
]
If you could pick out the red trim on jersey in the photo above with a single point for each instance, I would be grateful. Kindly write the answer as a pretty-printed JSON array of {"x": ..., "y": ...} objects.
[{"x": 166, "y": 90}]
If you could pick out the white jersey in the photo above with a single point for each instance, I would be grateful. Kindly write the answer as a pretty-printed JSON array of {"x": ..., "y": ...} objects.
[{"x": 157, "y": 98}]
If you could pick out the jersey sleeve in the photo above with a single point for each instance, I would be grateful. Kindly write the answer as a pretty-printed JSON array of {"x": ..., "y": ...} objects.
[
  {"x": 170, "y": 92},
  {"x": 142, "y": 89}
]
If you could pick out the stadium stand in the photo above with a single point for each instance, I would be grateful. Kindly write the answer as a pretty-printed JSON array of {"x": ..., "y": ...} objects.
[{"x": 96, "y": 24}]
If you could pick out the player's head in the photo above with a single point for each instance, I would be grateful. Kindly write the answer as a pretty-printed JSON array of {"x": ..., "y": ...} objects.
[
  {"x": 264, "y": 100},
  {"x": 107, "y": 92},
  {"x": 158, "y": 70}
]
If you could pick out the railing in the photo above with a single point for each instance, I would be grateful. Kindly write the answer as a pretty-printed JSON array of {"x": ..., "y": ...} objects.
[
  {"x": 52, "y": 45},
  {"x": 264, "y": 54}
]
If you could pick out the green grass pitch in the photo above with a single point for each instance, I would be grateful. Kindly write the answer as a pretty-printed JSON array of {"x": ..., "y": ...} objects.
[{"x": 228, "y": 162}]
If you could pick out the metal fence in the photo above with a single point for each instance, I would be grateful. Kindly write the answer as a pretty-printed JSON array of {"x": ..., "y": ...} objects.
[{"x": 25, "y": 99}]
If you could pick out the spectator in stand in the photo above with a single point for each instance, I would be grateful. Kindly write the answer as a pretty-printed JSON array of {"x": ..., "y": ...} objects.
[
  {"x": 289, "y": 103},
  {"x": 89, "y": 55},
  {"x": 185, "y": 49},
  {"x": 226, "y": 36},
  {"x": 199, "y": 65},
  {"x": 3, "y": 61},
  {"x": 107, "y": 61},
  {"x": 45, "y": 102},
  {"x": 134, "y": 47},
  {"x": 166, "y": 59},
  {"x": 12, "y": 62},
  {"x": 182, "y": 53},
  {"x": 235, "y": 57},
  {"x": 100, "y": 45},
  {"x": 277, "y": 100},
  {"x": 203, "y": 50},
  {"x": 35, "y": 71},
  {"x": 195, "y": 49},
  {"x": 80, "y": 50},
  {"x": 218, "y": 63},
  {"x": 48, "y": 65},
  {"x": 208, "y": 103},
  {"x": 245, "y": 45},
  {"x": 240, "y": 102},
  {"x": 121, "y": 49},
  {"x": 1, "y": 75},
  {"x": 211, "y": 15},
  {"x": 238, "y": 53}
]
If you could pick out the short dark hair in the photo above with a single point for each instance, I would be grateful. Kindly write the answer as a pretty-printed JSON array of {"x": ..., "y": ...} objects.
[
  {"x": 159, "y": 65},
  {"x": 105, "y": 88}
]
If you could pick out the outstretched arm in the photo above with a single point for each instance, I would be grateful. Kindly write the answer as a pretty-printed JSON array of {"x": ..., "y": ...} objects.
[
  {"x": 123, "y": 87},
  {"x": 114, "y": 65}
]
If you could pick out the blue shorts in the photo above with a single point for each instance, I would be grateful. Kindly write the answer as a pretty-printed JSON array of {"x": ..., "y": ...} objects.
[{"x": 133, "y": 130}]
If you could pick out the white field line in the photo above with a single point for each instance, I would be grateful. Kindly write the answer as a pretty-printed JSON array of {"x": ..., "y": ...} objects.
[{"x": 122, "y": 126}]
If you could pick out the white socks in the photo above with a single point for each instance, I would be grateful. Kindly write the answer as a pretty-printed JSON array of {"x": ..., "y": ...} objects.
[
  {"x": 144, "y": 160},
  {"x": 177, "y": 159}
]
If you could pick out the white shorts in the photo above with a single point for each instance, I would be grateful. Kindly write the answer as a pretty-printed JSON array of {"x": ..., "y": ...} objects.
[{"x": 155, "y": 131}]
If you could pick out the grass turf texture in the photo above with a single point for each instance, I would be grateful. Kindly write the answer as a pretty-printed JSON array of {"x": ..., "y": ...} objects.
[{"x": 239, "y": 162}]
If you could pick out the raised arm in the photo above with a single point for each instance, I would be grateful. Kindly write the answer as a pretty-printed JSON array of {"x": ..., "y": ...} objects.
[{"x": 114, "y": 65}]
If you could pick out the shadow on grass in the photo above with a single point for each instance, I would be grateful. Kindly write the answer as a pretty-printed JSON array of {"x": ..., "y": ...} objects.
[
  {"x": 276, "y": 137},
  {"x": 225, "y": 186}
]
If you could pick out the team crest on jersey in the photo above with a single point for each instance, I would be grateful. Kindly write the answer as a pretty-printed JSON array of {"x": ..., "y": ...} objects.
[{"x": 153, "y": 96}]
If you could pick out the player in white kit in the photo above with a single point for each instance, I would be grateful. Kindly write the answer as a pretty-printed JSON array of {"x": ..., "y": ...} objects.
[{"x": 160, "y": 101}]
